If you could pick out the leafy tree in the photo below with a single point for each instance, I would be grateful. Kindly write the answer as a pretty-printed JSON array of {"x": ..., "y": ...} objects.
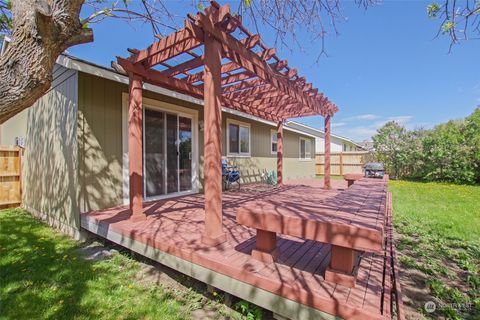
[
  {"x": 472, "y": 135},
  {"x": 447, "y": 156},
  {"x": 448, "y": 152},
  {"x": 458, "y": 20},
  {"x": 387, "y": 143}
]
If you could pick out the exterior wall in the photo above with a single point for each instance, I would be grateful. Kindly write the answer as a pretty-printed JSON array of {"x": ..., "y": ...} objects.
[
  {"x": 100, "y": 150},
  {"x": 15, "y": 127},
  {"x": 50, "y": 159},
  {"x": 337, "y": 143},
  {"x": 100, "y": 133},
  {"x": 261, "y": 159}
]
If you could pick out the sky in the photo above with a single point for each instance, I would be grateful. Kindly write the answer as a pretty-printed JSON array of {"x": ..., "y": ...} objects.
[{"x": 385, "y": 64}]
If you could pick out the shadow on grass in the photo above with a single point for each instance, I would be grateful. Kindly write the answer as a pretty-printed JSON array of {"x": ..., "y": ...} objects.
[
  {"x": 41, "y": 276},
  {"x": 44, "y": 276}
]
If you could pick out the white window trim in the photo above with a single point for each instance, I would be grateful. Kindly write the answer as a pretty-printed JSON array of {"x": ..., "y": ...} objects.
[
  {"x": 300, "y": 149},
  {"x": 240, "y": 124},
  {"x": 272, "y": 142}
]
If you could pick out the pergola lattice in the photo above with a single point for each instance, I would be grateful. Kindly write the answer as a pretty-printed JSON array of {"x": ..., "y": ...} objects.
[{"x": 216, "y": 58}]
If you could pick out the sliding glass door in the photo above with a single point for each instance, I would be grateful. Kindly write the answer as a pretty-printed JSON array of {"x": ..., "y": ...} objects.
[{"x": 167, "y": 153}]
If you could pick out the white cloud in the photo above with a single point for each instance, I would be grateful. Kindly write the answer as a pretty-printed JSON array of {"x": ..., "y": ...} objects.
[
  {"x": 401, "y": 119},
  {"x": 366, "y": 129},
  {"x": 367, "y": 116},
  {"x": 338, "y": 124}
]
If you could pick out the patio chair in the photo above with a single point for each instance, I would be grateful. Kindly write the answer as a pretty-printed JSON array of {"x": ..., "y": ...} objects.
[{"x": 230, "y": 174}]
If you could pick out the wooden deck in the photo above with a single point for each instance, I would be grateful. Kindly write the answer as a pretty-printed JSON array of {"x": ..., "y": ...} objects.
[{"x": 175, "y": 226}]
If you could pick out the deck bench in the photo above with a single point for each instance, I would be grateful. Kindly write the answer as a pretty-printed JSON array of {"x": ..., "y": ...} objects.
[
  {"x": 352, "y": 177},
  {"x": 350, "y": 226}
]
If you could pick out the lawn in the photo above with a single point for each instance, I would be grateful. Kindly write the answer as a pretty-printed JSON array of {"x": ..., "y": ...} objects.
[
  {"x": 45, "y": 276},
  {"x": 438, "y": 241}
]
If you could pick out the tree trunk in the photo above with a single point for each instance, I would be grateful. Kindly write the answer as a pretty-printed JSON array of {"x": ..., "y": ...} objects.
[{"x": 42, "y": 30}]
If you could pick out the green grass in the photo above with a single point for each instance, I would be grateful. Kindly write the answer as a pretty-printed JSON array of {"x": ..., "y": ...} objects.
[
  {"x": 438, "y": 227},
  {"x": 451, "y": 211},
  {"x": 43, "y": 276}
]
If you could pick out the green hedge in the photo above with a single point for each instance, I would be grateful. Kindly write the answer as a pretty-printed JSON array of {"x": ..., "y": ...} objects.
[{"x": 448, "y": 152}]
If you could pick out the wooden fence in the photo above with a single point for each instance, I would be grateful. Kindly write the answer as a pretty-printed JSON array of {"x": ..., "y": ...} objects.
[
  {"x": 10, "y": 176},
  {"x": 343, "y": 162}
]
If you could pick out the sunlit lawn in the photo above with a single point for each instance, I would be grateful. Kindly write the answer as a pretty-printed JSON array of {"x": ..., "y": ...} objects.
[
  {"x": 439, "y": 235},
  {"x": 42, "y": 276}
]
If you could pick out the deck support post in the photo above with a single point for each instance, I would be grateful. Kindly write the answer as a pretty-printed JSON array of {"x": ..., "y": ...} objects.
[
  {"x": 213, "y": 234},
  {"x": 266, "y": 246},
  {"x": 280, "y": 153},
  {"x": 327, "y": 184},
  {"x": 342, "y": 266},
  {"x": 135, "y": 141}
]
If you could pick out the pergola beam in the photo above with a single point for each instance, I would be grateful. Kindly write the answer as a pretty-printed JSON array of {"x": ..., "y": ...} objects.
[
  {"x": 255, "y": 93},
  {"x": 168, "y": 47},
  {"x": 253, "y": 111},
  {"x": 250, "y": 84},
  {"x": 157, "y": 78},
  {"x": 252, "y": 62},
  {"x": 280, "y": 101},
  {"x": 184, "y": 67}
]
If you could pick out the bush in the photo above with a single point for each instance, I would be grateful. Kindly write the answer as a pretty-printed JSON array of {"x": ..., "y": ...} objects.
[{"x": 448, "y": 152}]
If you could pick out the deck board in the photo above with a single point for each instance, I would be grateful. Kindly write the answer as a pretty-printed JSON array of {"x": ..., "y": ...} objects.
[{"x": 175, "y": 226}]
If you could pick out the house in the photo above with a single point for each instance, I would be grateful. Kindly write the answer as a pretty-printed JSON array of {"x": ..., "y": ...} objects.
[
  {"x": 75, "y": 140},
  {"x": 109, "y": 162},
  {"x": 337, "y": 143}
]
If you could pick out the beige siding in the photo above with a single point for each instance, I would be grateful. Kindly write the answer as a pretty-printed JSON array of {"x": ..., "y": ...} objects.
[
  {"x": 100, "y": 140},
  {"x": 13, "y": 128},
  {"x": 100, "y": 144},
  {"x": 50, "y": 159}
]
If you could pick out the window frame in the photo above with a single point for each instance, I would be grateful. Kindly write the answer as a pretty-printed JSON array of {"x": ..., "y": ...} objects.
[
  {"x": 239, "y": 124},
  {"x": 300, "y": 149},
  {"x": 272, "y": 134}
]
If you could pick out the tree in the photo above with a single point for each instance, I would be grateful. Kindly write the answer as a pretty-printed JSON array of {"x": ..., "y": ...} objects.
[
  {"x": 387, "y": 143},
  {"x": 42, "y": 29},
  {"x": 472, "y": 134},
  {"x": 460, "y": 20},
  {"x": 448, "y": 152}
]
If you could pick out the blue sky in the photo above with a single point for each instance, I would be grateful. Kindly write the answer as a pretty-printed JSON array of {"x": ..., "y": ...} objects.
[{"x": 384, "y": 65}]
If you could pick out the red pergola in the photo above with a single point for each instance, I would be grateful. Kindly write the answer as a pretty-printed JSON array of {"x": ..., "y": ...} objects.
[{"x": 234, "y": 69}]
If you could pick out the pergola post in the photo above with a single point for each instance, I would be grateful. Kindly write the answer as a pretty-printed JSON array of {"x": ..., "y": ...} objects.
[
  {"x": 326, "y": 166},
  {"x": 280, "y": 153},
  {"x": 135, "y": 141},
  {"x": 213, "y": 233}
]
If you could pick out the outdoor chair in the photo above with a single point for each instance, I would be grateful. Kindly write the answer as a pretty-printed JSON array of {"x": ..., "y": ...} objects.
[{"x": 230, "y": 174}]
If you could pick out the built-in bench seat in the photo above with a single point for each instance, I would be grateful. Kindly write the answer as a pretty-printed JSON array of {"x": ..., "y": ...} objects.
[
  {"x": 352, "y": 177},
  {"x": 352, "y": 222}
]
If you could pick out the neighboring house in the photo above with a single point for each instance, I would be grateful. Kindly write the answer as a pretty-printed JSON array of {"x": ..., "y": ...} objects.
[
  {"x": 76, "y": 144},
  {"x": 367, "y": 145},
  {"x": 338, "y": 143}
]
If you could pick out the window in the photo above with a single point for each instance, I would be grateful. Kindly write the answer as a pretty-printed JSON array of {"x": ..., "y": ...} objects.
[
  {"x": 305, "y": 149},
  {"x": 273, "y": 142},
  {"x": 238, "y": 138},
  {"x": 344, "y": 147}
]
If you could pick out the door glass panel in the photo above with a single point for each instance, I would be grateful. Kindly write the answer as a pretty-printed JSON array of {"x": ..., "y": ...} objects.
[
  {"x": 154, "y": 153},
  {"x": 172, "y": 154},
  {"x": 185, "y": 153}
]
